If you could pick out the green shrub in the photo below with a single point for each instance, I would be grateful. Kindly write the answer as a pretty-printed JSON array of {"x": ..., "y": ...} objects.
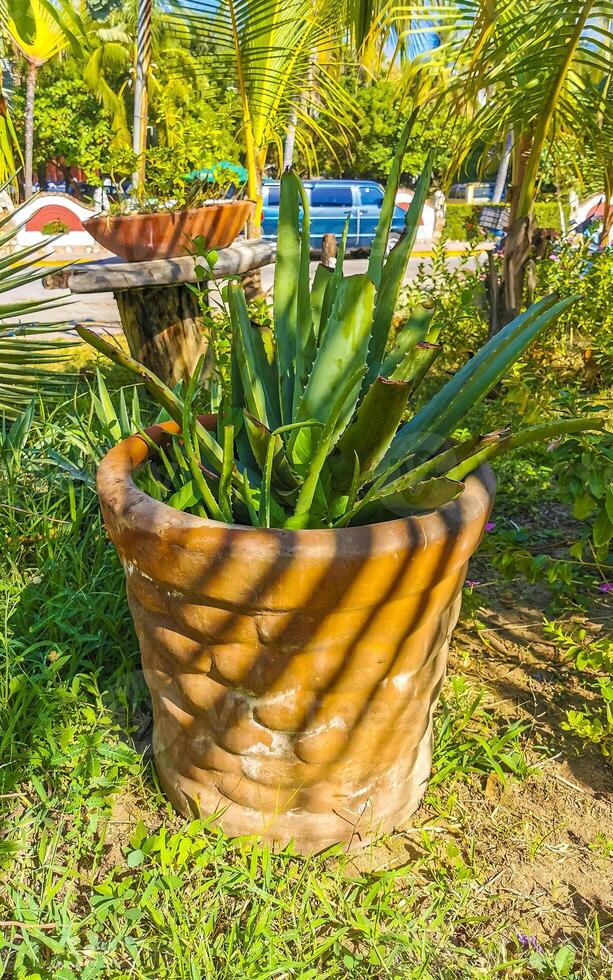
[
  {"x": 547, "y": 214},
  {"x": 56, "y": 227}
]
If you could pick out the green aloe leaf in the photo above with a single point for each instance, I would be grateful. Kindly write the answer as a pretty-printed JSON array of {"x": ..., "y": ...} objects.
[
  {"x": 321, "y": 280},
  {"x": 327, "y": 437},
  {"x": 379, "y": 245},
  {"x": 429, "y": 495},
  {"x": 392, "y": 276},
  {"x": 258, "y": 378},
  {"x": 285, "y": 297},
  {"x": 342, "y": 352},
  {"x": 333, "y": 283},
  {"x": 369, "y": 435},
  {"x": 533, "y": 433},
  {"x": 430, "y": 427},
  {"x": 416, "y": 363},
  {"x": 259, "y": 438},
  {"x": 305, "y": 332},
  {"x": 411, "y": 333}
]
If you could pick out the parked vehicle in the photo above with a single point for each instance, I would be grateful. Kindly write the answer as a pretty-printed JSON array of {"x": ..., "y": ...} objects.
[
  {"x": 331, "y": 202},
  {"x": 471, "y": 193}
]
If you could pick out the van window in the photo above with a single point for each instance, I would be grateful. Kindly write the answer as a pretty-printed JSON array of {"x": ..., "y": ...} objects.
[
  {"x": 273, "y": 195},
  {"x": 331, "y": 196},
  {"x": 482, "y": 192},
  {"x": 371, "y": 195}
]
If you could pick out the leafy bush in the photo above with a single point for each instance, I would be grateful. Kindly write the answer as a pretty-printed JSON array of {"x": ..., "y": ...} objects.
[
  {"x": 460, "y": 217},
  {"x": 56, "y": 227},
  {"x": 594, "y": 657}
]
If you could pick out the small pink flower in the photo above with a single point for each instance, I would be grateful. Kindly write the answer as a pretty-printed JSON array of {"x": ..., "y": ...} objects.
[
  {"x": 472, "y": 583},
  {"x": 490, "y": 525},
  {"x": 605, "y": 587}
]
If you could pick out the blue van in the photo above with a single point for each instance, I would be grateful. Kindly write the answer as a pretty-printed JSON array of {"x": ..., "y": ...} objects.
[{"x": 331, "y": 201}]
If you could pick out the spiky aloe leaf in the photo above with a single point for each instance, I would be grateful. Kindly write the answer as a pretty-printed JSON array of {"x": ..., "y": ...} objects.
[
  {"x": 369, "y": 435},
  {"x": 333, "y": 283},
  {"x": 393, "y": 272},
  {"x": 327, "y": 437},
  {"x": 341, "y": 354},
  {"x": 287, "y": 277},
  {"x": 257, "y": 374},
  {"x": 320, "y": 282},
  {"x": 416, "y": 363},
  {"x": 259, "y": 437},
  {"x": 445, "y": 461},
  {"x": 533, "y": 433},
  {"x": 429, "y": 495},
  {"x": 429, "y": 429},
  {"x": 379, "y": 245},
  {"x": 415, "y": 329},
  {"x": 305, "y": 332}
]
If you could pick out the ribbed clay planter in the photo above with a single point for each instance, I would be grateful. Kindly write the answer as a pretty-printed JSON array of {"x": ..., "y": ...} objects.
[
  {"x": 164, "y": 235},
  {"x": 293, "y": 674}
]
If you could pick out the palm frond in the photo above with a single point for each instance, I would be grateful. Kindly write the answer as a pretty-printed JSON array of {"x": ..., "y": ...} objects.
[{"x": 27, "y": 355}]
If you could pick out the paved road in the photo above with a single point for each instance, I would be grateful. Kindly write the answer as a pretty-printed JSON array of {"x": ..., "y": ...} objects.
[{"x": 101, "y": 307}]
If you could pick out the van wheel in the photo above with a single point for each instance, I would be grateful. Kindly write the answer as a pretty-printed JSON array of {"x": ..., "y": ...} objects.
[{"x": 392, "y": 240}]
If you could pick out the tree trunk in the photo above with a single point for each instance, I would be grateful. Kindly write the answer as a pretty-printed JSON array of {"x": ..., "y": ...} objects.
[
  {"x": 290, "y": 139},
  {"x": 252, "y": 281},
  {"x": 503, "y": 169},
  {"x": 29, "y": 129},
  {"x": 520, "y": 155},
  {"x": 607, "y": 218},
  {"x": 506, "y": 293}
]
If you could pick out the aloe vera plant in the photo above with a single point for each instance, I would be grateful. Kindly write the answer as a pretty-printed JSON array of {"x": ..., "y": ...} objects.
[{"x": 319, "y": 427}]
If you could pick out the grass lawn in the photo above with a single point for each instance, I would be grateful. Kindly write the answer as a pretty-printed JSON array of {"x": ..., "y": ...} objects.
[{"x": 505, "y": 870}]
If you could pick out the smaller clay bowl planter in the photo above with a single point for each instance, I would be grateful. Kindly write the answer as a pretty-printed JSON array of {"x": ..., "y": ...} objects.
[
  {"x": 165, "y": 235},
  {"x": 293, "y": 674}
]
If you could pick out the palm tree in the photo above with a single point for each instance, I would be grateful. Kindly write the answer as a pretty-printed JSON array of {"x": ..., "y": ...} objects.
[
  {"x": 9, "y": 146},
  {"x": 26, "y": 365},
  {"x": 276, "y": 53},
  {"x": 520, "y": 67},
  {"x": 538, "y": 71},
  {"x": 36, "y": 31}
]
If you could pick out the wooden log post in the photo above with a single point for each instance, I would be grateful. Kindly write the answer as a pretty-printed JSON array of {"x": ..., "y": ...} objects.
[
  {"x": 164, "y": 329},
  {"x": 160, "y": 314}
]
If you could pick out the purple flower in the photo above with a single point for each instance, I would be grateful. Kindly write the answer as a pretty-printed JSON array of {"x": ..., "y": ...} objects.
[
  {"x": 529, "y": 942},
  {"x": 472, "y": 583},
  {"x": 490, "y": 525},
  {"x": 605, "y": 587}
]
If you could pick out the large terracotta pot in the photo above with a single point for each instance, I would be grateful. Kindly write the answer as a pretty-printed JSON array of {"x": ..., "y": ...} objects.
[
  {"x": 293, "y": 674},
  {"x": 139, "y": 237}
]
